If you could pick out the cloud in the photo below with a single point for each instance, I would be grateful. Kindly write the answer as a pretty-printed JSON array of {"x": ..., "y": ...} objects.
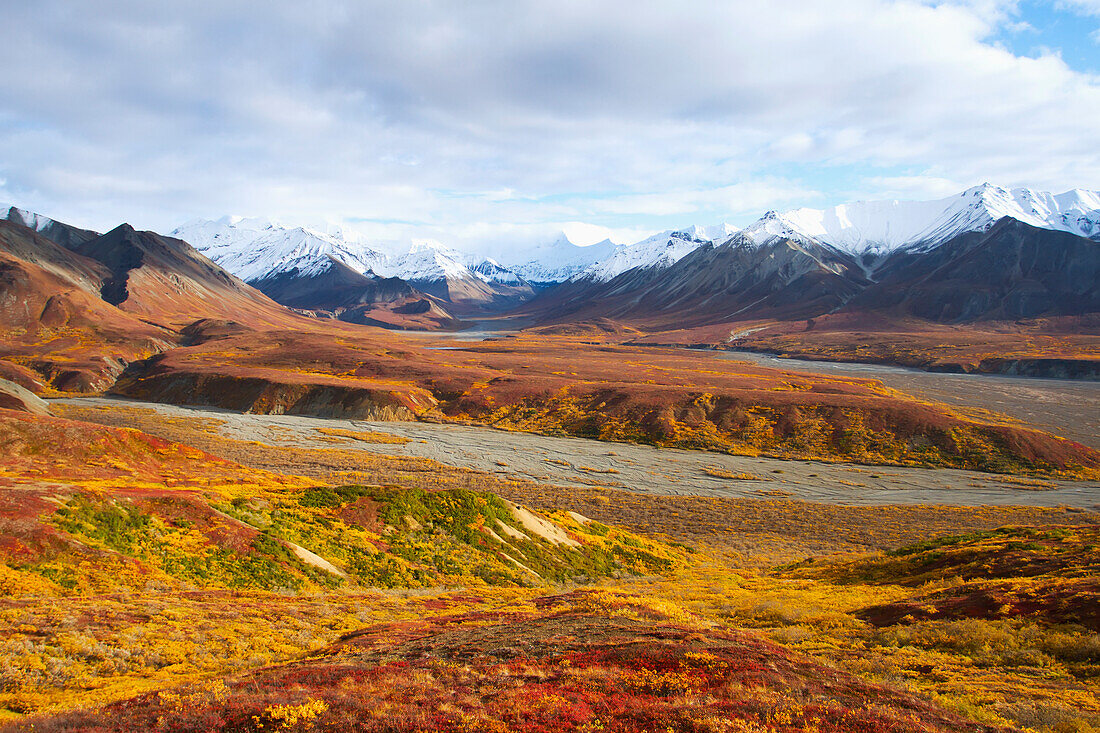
[
  {"x": 748, "y": 197},
  {"x": 436, "y": 118},
  {"x": 1021, "y": 26},
  {"x": 915, "y": 187},
  {"x": 1085, "y": 7}
]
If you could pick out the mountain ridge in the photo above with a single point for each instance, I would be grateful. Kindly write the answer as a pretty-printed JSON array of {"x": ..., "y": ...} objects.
[
  {"x": 860, "y": 228},
  {"x": 814, "y": 262}
]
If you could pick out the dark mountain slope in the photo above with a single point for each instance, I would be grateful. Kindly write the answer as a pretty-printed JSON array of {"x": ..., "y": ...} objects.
[
  {"x": 1011, "y": 271},
  {"x": 468, "y": 295},
  {"x": 337, "y": 287},
  {"x": 64, "y": 234},
  {"x": 781, "y": 278}
]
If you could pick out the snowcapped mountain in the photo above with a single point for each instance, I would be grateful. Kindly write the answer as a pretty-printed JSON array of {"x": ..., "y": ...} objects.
[
  {"x": 254, "y": 249},
  {"x": 660, "y": 250},
  {"x": 492, "y": 271},
  {"x": 878, "y": 227},
  {"x": 426, "y": 261},
  {"x": 860, "y": 234},
  {"x": 430, "y": 261},
  {"x": 457, "y": 277},
  {"x": 551, "y": 261},
  {"x": 307, "y": 269},
  {"x": 771, "y": 226}
]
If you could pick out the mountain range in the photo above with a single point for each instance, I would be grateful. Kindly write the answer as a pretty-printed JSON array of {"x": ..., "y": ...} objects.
[{"x": 986, "y": 253}]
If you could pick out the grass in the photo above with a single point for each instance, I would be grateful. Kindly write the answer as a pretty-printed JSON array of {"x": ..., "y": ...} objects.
[
  {"x": 122, "y": 591},
  {"x": 730, "y": 475},
  {"x": 363, "y": 436},
  {"x": 582, "y": 661}
]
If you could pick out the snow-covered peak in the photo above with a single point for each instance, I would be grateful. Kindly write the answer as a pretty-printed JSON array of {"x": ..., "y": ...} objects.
[
  {"x": 430, "y": 260},
  {"x": 770, "y": 226},
  {"x": 883, "y": 226},
  {"x": 492, "y": 271},
  {"x": 660, "y": 250},
  {"x": 554, "y": 260},
  {"x": 426, "y": 262},
  {"x": 719, "y": 232},
  {"x": 255, "y": 249},
  {"x": 28, "y": 219}
]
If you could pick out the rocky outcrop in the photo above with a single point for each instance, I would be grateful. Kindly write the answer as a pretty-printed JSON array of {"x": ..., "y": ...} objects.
[
  {"x": 14, "y": 397},
  {"x": 1088, "y": 369}
]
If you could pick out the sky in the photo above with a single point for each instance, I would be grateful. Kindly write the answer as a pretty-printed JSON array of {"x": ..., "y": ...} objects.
[{"x": 478, "y": 121}]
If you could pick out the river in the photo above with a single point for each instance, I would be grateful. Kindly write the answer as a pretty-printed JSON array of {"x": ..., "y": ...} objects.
[{"x": 578, "y": 461}]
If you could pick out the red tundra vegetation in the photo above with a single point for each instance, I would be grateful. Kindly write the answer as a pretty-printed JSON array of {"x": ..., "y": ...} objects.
[{"x": 583, "y": 661}]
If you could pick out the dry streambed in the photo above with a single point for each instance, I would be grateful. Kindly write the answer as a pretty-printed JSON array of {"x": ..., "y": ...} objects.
[{"x": 577, "y": 461}]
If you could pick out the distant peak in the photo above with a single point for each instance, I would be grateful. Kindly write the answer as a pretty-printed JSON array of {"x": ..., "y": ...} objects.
[
  {"x": 124, "y": 228},
  {"x": 985, "y": 188}
]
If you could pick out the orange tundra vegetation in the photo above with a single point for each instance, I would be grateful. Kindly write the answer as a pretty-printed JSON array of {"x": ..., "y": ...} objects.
[
  {"x": 554, "y": 385},
  {"x": 584, "y": 661},
  {"x": 237, "y": 599}
]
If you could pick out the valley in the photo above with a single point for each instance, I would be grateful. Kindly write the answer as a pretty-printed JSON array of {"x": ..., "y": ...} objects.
[
  {"x": 281, "y": 481},
  {"x": 550, "y": 367}
]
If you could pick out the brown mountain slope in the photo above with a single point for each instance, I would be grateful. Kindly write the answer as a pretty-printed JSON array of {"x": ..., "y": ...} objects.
[
  {"x": 76, "y": 317},
  {"x": 53, "y": 322},
  {"x": 167, "y": 281},
  {"x": 471, "y": 296}
]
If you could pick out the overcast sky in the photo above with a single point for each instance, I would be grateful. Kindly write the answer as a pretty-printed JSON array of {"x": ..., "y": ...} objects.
[{"x": 466, "y": 120}]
